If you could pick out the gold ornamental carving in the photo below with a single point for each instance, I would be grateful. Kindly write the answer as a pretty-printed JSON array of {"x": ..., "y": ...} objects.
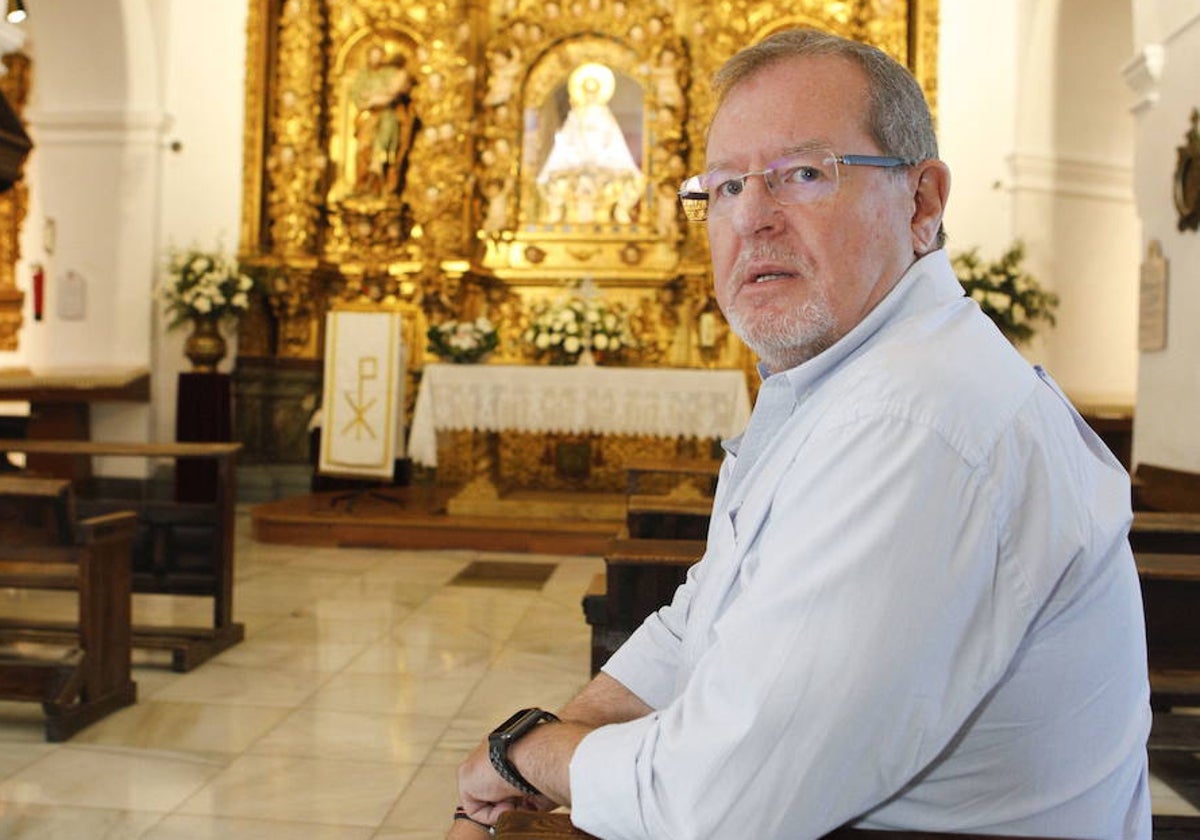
[
  {"x": 466, "y": 158},
  {"x": 14, "y": 204}
]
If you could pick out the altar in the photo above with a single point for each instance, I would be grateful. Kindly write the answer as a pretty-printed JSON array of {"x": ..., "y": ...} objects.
[{"x": 514, "y": 427}]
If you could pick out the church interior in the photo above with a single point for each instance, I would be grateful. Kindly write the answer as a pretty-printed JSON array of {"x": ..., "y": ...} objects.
[{"x": 384, "y": 320}]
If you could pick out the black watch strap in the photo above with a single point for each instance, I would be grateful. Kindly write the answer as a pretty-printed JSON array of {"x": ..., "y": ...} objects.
[{"x": 507, "y": 734}]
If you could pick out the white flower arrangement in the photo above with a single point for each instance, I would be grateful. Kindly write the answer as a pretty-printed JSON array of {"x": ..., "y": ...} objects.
[
  {"x": 1006, "y": 292},
  {"x": 561, "y": 331},
  {"x": 204, "y": 285},
  {"x": 463, "y": 342}
]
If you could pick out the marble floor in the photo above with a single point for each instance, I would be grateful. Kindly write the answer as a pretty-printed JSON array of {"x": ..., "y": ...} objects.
[{"x": 365, "y": 677}]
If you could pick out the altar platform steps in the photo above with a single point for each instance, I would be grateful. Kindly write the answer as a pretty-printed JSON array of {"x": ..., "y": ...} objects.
[{"x": 417, "y": 517}]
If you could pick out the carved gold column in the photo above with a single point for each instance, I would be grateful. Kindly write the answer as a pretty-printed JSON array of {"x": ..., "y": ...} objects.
[{"x": 14, "y": 204}]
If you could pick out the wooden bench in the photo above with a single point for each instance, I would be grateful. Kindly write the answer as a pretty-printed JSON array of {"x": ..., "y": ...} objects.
[
  {"x": 1163, "y": 532},
  {"x": 1165, "y": 489},
  {"x": 640, "y": 576},
  {"x": 681, "y": 504},
  {"x": 535, "y": 825},
  {"x": 1170, "y": 585},
  {"x": 180, "y": 548},
  {"x": 42, "y": 547}
]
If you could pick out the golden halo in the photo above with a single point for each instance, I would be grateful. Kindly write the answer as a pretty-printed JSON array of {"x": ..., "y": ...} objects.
[{"x": 591, "y": 82}]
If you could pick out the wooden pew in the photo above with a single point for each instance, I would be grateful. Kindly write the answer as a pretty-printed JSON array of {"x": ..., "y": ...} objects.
[
  {"x": 1165, "y": 489},
  {"x": 41, "y": 547},
  {"x": 1163, "y": 532},
  {"x": 640, "y": 576},
  {"x": 669, "y": 498},
  {"x": 533, "y": 825},
  {"x": 179, "y": 548},
  {"x": 1170, "y": 586}
]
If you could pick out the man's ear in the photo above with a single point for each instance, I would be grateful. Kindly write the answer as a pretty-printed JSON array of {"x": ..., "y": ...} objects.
[{"x": 929, "y": 203}]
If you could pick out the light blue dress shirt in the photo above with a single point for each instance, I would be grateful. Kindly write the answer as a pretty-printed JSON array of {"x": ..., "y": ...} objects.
[{"x": 917, "y": 610}]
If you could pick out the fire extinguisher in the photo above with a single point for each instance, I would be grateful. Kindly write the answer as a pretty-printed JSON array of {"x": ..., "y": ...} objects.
[{"x": 39, "y": 291}]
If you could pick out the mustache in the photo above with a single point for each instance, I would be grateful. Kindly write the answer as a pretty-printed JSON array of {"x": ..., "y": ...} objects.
[{"x": 769, "y": 254}]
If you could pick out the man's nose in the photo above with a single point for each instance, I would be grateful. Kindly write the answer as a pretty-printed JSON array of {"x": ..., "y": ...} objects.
[{"x": 756, "y": 210}]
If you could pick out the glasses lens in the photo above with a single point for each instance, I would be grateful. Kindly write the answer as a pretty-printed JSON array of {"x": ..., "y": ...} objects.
[
  {"x": 803, "y": 178},
  {"x": 694, "y": 199}
]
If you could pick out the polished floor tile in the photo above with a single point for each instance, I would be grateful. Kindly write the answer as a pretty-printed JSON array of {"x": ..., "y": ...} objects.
[{"x": 366, "y": 676}]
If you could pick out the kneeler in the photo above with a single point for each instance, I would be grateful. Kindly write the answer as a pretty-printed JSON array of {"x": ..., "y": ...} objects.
[{"x": 534, "y": 825}]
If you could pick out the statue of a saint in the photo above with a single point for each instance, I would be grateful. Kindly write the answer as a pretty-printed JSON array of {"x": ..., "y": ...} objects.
[
  {"x": 384, "y": 124},
  {"x": 590, "y": 174}
]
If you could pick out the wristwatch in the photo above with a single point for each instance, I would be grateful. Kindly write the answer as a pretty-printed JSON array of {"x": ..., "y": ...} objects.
[{"x": 507, "y": 734}]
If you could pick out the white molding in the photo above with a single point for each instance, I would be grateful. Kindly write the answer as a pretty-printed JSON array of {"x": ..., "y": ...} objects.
[
  {"x": 1142, "y": 74},
  {"x": 97, "y": 127},
  {"x": 1097, "y": 180}
]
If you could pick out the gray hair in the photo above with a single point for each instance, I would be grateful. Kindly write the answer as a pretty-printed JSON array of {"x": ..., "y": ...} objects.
[{"x": 898, "y": 117}]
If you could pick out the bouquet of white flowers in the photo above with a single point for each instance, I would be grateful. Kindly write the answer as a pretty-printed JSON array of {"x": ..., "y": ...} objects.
[
  {"x": 463, "y": 342},
  {"x": 204, "y": 285},
  {"x": 1005, "y": 292},
  {"x": 561, "y": 331}
]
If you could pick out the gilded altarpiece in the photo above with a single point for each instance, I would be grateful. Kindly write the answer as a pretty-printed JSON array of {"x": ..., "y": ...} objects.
[
  {"x": 458, "y": 158},
  {"x": 14, "y": 204}
]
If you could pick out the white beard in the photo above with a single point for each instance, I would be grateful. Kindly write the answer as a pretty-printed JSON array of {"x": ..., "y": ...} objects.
[{"x": 784, "y": 340}]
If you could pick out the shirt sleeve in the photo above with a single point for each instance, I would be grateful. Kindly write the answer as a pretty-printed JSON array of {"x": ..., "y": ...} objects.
[
  {"x": 875, "y": 611},
  {"x": 647, "y": 663}
]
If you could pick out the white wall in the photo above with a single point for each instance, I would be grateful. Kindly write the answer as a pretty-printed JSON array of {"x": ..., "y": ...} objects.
[
  {"x": 1034, "y": 123},
  {"x": 1169, "y": 381},
  {"x": 204, "y": 53}
]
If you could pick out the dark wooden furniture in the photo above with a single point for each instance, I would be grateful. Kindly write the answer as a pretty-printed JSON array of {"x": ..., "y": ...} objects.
[
  {"x": 640, "y": 576},
  {"x": 670, "y": 498},
  {"x": 1171, "y": 599},
  {"x": 1165, "y": 489},
  {"x": 1114, "y": 425},
  {"x": 532, "y": 825},
  {"x": 203, "y": 414},
  {"x": 1165, "y": 532},
  {"x": 60, "y": 406},
  {"x": 42, "y": 547},
  {"x": 179, "y": 548}
]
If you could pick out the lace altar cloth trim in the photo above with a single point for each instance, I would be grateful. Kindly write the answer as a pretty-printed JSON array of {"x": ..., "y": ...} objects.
[{"x": 659, "y": 402}]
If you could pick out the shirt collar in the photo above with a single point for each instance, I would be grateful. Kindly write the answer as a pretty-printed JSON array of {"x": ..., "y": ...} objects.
[{"x": 928, "y": 282}]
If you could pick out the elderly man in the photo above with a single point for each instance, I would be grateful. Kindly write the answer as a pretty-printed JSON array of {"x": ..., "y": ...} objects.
[{"x": 918, "y": 609}]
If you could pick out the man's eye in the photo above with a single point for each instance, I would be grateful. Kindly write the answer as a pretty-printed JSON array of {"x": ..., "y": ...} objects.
[
  {"x": 729, "y": 189},
  {"x": 802, "y": 175}
]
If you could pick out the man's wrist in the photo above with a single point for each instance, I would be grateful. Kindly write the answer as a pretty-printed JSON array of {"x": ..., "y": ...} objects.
[{"x": 504, "y": 736}]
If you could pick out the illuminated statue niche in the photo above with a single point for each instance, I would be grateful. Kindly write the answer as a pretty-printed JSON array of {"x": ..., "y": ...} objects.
[{"x": 591, "y": 173}]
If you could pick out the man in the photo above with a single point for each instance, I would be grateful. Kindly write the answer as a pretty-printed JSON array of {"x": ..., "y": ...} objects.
[{"x": 918, "y": 608}]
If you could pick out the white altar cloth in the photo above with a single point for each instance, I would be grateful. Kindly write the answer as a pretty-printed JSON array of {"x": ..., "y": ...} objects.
[{"x": 661, "y": 402}]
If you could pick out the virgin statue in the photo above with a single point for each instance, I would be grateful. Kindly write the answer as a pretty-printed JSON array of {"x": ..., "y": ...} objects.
[{"x": 590, "y": 174}]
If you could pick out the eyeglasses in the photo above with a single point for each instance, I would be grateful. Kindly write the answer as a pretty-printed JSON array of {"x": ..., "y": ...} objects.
[{"x": 802, "y": 178}]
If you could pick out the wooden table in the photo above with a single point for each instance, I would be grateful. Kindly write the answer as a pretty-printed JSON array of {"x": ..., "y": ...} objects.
[
  {"x": 659, "y": 402},
  {"x": 60, "y": 401}
]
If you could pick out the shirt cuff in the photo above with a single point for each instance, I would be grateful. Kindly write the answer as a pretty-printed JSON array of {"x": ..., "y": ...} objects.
[{"x": 605, "y": 803}]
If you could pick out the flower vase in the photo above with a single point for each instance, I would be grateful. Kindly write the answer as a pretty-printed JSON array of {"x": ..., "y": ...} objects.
[
  {"x": 205, "y": 347},
  {"x": 586, "y": 359}
]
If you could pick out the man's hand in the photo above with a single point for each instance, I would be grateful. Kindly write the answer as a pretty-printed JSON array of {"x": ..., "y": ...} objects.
[
  {"x": 485, "y": 796},
  {"x": 543, "y": 755}
]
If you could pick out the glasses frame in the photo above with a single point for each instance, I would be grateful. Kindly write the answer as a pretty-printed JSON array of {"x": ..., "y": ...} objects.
[{"x": 700, "y": 213}]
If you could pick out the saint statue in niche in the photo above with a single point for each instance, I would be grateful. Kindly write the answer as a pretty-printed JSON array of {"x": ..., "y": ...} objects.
[
  {"x": 384, "y": 124},
  {"x": 590, "y": 175}
]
